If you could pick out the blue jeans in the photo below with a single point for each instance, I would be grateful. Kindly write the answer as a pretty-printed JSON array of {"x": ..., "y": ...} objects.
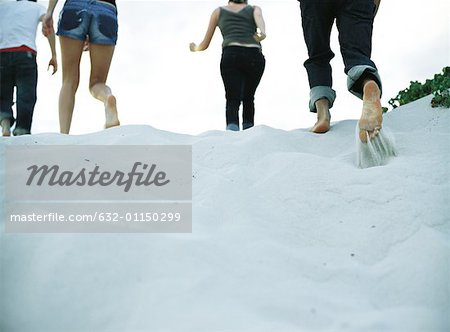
[
  {"x": 241, "y": 69},
  {"x": 97, "y": 20},
  {"x": 354, "y": 20},
  {"x": 18, "y": 69}
]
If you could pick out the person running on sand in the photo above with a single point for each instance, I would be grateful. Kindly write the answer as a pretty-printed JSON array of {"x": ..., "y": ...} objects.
[
  {"x": 18, "y": 24},
  {"x": 354, "y": 20},
  {"x": 242, "y": 64},
  {"x": 80, "y": 20}
]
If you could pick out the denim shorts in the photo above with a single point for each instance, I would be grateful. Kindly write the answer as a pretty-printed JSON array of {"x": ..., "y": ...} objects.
[{"x": 97, "y": 20}]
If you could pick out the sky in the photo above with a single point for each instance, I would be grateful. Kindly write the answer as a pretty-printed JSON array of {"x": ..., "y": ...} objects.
[{"x": 159, "y": 82}]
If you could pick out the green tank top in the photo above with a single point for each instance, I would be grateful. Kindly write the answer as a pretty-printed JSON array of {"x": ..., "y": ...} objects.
[{"x": 238, "y": 27}]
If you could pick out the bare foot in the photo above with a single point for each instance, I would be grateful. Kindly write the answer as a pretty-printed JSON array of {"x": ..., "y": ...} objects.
[
  {"x": 321, "y": 126},
  {"x": 323, "y": 117},
  {"x": 111, "y": 116},
  {"x": 372, "y": 113},
  {"x": 6, "y": 127}
]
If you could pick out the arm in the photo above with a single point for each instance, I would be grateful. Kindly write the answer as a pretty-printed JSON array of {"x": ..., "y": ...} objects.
[
  {"x": 377, "y": 5},
  {"x": 51, "y": 6},
  {"x": 50, "y": 34},
  {"x": 260, "y": 24},
  {"x": 209, "y": 33},
  {"x": 47, "y": 22},
  {"x": 53, "y": 61}
]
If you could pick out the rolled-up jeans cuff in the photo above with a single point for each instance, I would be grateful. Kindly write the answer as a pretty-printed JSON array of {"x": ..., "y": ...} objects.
[
  {"x": 320, "y": 92},
  {"x": 357, "y": 74}
]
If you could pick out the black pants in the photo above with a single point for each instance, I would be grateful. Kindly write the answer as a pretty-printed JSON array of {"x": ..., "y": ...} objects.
[
  {"x": 354, "y": 20},
  {"x": 241, "y": 69},
  {"x": 18, "y": 69}
]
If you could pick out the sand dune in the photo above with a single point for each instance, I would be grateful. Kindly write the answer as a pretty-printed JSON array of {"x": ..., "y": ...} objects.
[{"x": 288, "y": 235}]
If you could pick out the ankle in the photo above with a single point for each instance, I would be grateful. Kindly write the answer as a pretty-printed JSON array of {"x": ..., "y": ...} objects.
[
  {"x": 323, "y": 109},
  {"x": 6, "y": 127},
  {"x": 371, "y": 87},
  {"x": 322, "y": 103}
]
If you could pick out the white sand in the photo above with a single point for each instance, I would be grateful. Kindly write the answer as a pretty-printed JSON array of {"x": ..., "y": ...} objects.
[{"x": 288, "y": 235}]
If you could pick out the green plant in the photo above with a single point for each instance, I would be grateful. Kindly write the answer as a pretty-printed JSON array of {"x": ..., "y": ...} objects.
[{"x": 438, "y": 86}]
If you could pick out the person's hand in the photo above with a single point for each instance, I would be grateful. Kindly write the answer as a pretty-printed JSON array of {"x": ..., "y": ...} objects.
[
  {"x": 53, "y": 63},
  {"x": 259, "y": 36},
  {"x": 47, "y": 25},
  {"x": 193, "y": 47}
]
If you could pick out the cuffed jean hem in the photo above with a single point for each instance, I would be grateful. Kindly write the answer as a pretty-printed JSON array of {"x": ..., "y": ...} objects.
[
  {"x": 233, "y": 127},
  {"x": 319, "y": 92},
  {"x": 21, "y": 131},
  {"x": 358, "y": 73},
  {"x": 247, "y": 125}
]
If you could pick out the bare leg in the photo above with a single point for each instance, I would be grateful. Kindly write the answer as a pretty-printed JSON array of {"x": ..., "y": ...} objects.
[
  {"x": 71, "y": 50},
  {"x": 323, "y": 117},
  {"x": 6, "y": 127},
  {"x": 372, "y": 113},
  {"x": 101, "y": 56}
]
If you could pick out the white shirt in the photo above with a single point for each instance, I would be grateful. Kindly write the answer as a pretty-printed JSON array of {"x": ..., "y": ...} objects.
[{"x": 18, "y": 23}]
